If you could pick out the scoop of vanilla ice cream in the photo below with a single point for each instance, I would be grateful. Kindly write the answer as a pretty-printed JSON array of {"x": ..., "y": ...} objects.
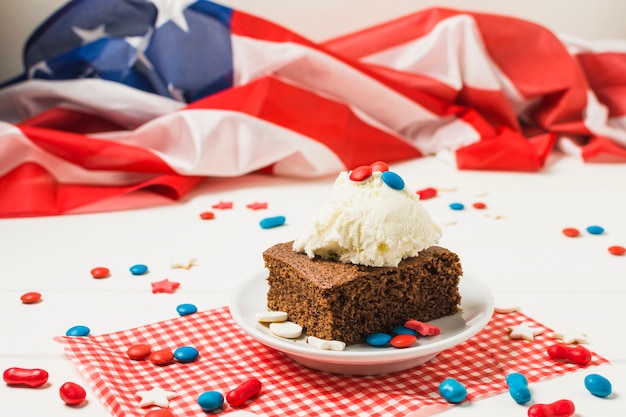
[{"x": 368, "y": 223}]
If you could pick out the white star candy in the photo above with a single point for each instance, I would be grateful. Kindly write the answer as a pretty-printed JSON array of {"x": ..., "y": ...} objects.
[
  {"x": 156, "y": 396},
  {"x": 568, "y": 336},
  {"x": 523, "y": 331}
]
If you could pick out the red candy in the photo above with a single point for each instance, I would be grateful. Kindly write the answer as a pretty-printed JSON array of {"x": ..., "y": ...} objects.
[
  {"x": 31, "y": 297},
  {"x": 25, "y": 377},
  {"x": 560, "y": 408},
  {"x": 576, "y": 354},
  {"x": 379, "y": 166},
  {"x": 244, "y": 392},
  {"x": 72, "y": 394},
  {"x": 161, "y": 357},
  {"x": 159, "y": 413},
  {"x": 478, "y": 205},
  {"x": 571, "y": 232},
  {"x": 427, "y": 193},
  {"x": 100, "y": 272},
  {"x": 139, "y": 352},
  {"x": 207, "y": 215},
  {"x": 361, "y": 173},
  {"x": 403, "y": 341},
  {"x": 617, "y": 250},
  {"x": 422, "y": 328}
]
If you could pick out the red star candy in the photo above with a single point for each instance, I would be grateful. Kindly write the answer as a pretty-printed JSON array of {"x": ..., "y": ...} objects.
[
  {"x": 223, "y": 205},
  {"x": 257, "y": 206},
  {"x": 164, "y": 286}
]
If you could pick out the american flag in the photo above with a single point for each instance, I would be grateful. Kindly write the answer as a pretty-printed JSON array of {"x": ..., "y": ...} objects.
[{"x": 122, "y": 95}]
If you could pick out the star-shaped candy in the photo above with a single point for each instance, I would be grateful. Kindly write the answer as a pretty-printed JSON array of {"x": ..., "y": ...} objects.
[
  {"x": 569, "y": 336},
  {"x": 223, "y": 205},
  {"x": 523, "y": 331},
  {"x": 156, "y": 396},
  {"x": 257, "y": 206},
  {"x": 164, "y": 286}
]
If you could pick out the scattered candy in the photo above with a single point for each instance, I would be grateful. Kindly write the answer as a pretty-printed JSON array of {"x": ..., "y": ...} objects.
[
  {"x": 31, "y": 297},
  {"x": 560, "y": 408},
  {"x": 479, "y": 205},
  {"x": 518, "y": 387},
  {"x": 184, "y": 263},
  {"x": 78, "y": 331},
  {"x": 159, "y": 413},
  {"x": 155, "y": 396},
  {"x": 325, "y": 344},
  {"x": 100, "y": 272},
  {"x": 379, "y": 166},
  {"x": 165, "y": 286},
  {"x": 422, "y": 328},
  {"x": 452, "y": 390},
  {"x": 185, "y": 354},
  {"x": 210, "y": 400},
  {"x": 139, "y": 352},
  {"x": 401, "y": 341},
  {"x": 393, "y": 180},
  {"x": 595, "y": 230},
  {"x": 223, "y": 205},
  {"x": 457, "y": 206},
  {"x": 272, "y": 316},
  {"x": 427, "y": 193},
  {"x": 72, "y": 393},
  {"x": 571, "y": 232},
  {"x": 404, "y": 330},
  {"x": 361, "y": 173},
  {"x": 523, "y": 331},
  {"x": 378, "y": 339},
  {"x": 244, "y": 392},
  {"x": 286, "y": 329},
  {"x": 598, "y": 385},
  {"x": 577, "y": 354},
  {"x": 161, "y": 357},
  {"x": 25, "y": 377},
  {"x": 207, "y": 215},
  {"x": 257, "y": 206},
  {"x": 185, "y": 309},
  {"x": 617, "y": 250},
  {"x": 569, "y": 336},
  {"x": 270, "y": 222},
  {"x": 138, "y": 269}
]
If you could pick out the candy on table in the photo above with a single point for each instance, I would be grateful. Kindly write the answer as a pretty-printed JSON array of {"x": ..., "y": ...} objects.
[
  {"x": 100, "y": 272},
  {"x": 452, "y": 390},
  {"x": 595, "y": 230},
  {"x": 257, "y": 206},
  {"x": 325, "y": 344},
  {"x": 560, "y": 408},
  {"x": 577, "y": 354},
  {"x": 72, "y": 393},
  {"x": 523, "y": 331},
  {"x": 185, "y": 354},
  {"x": 518, "y": 387},
  {"x": 479, "y": 205},
  {"x": 164, "y": 286},
  {"x": 207, "y": 215},
  {"x": 401, "y": 341},
  {"x": 223, "y": 205},
  {"x": 78, "y": 330},
  {"x": 569, "y": 336},
  {"x": 422, "y": 328},
  {"x": 161, "y": 357},
  {"x": 571, "y": 232},
  {"x": 271, "y": 222},
  {"x": 244, "y": 392},
  {"x": 138, "y": 269},
  {"x": 286, "y": 329},
  {"x": 210, "y": 400},
  {"x": 32, "y": 297},
  {"x": 139, "y": 352},
  {"x": 25, "y": 377},
  {"x": 378, "y": 339},
  {"x": 186, "y": 309},
  {"x": 617, "y": 250},
  {"x": 598, "y": 385},
  {"x": 427, "y": 193},
  {"x": 155, "y": 396},
  {"x": 271, "y": 316}
]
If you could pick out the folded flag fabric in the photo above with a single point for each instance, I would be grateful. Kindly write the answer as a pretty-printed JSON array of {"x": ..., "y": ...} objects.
[{"x": 122, "y": 95}]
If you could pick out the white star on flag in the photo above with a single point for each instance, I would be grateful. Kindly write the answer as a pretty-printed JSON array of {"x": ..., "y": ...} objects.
[
  {"x": 172, "y": 10},
  {"x": 90, "y": 35}
]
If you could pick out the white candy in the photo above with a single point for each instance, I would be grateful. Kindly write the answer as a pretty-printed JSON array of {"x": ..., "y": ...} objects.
[
  {"x": 287, "y": 329},
  {"x": 325, "y": 344},
  {"x": 271, "y": 316}
]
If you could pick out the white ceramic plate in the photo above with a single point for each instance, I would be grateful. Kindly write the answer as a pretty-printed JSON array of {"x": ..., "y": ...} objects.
[{"x": 362, "y": 359}]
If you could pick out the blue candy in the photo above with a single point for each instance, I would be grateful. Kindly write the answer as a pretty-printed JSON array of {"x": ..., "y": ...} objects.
[
  {"x": 452, "y": 390},
  {"x": 184, "y": 309},
  {"x": 378, "y": 339},
  {"x": 457, "y": 206},
  {"x": 138, "y": 269},
  {"x": 270, "y": 222},
  {"x": 598, "y": 385},
  {"x": 518, "y": 387},
  {"x": 210, "y": 400},
  {"x": 186, "y": 354},
  {"x": 78, "y": 331},
  {"x": 393, "y": 180},
  {"x": 595, "y": 230},
  {"x": 404, "y": 330}
]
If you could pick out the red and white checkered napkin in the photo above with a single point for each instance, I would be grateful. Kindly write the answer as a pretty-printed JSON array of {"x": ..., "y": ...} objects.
[{"x": 228, "y": 356}]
